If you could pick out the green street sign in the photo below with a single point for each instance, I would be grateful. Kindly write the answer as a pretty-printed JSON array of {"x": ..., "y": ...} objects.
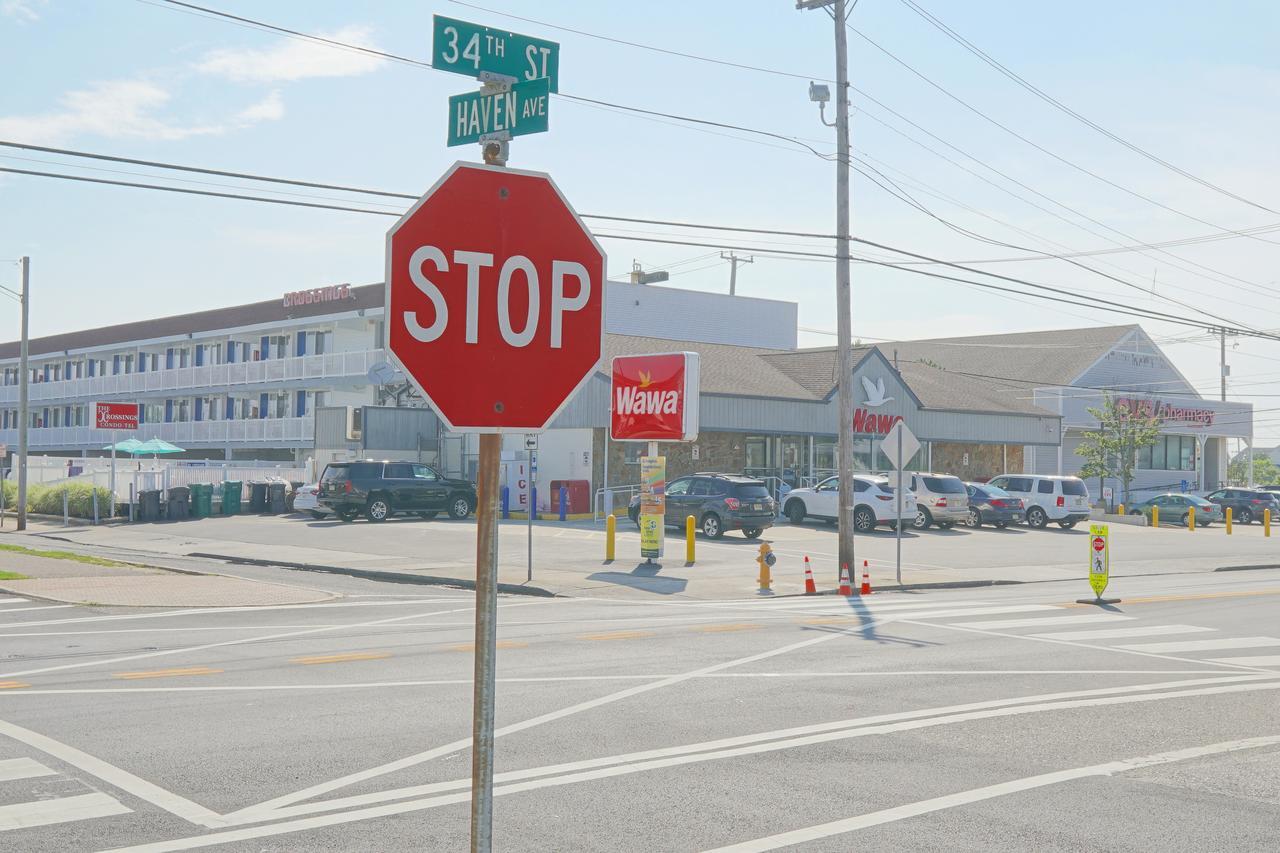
[
  {"x": 477, "y": 115},
  {"x": 473, "y": 50}
]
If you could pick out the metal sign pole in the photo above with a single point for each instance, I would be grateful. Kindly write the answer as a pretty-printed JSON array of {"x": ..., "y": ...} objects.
[
  {"x": 485, "y": 645},
  {"x": 114, "y": 436},
  {"x": 533, "y": 508},
  {"x": 898, "y": 526}
]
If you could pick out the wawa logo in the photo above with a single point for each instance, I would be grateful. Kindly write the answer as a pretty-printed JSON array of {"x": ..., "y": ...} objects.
[{"x": 654, "y": 397}]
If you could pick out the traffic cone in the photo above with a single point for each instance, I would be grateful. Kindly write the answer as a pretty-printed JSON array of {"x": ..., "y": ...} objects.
[
  {"x": 866, "y": 580},
  {"x": 810, "y": 588},
  {"x": 845, "y": 586}
]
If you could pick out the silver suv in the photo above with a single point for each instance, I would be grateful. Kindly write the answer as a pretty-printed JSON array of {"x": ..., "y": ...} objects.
[
  {"x": 941, "y": 499},
  {"x": 1048, "y": 498}
]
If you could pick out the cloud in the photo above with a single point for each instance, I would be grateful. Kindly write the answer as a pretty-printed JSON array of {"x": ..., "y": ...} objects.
[
  {"x": 293, "y": 59},
  {"x": 270, "y": 108},
  {"x": 23, "y": 11}
]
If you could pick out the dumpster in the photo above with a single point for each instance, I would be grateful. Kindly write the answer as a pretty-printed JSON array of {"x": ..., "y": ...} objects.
[
  {"x": 577, "y": 496},
  {"x": 201, "y": 500},
  {"x": 257, "y": 497},
  {"x": 276, "y": 501},
  {"x": 149, "y": 505},
  {"x": 231, "y": 490},
  {"x": 179, "y": 504}
]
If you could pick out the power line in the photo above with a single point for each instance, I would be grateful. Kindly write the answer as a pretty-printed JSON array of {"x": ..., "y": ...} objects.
[{"x": 1003, "y": 69}]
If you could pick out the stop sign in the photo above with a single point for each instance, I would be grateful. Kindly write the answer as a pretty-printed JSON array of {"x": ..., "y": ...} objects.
[
  {"x": 1099, "y": 543},
  {"x": 495, "y": 298}
]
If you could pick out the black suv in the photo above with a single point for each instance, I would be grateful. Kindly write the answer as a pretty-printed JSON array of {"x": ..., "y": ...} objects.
[
  {"x": 717, "y": 502},
  {"x": 1246, "y": 504},
  {"x": 383, "y": 489}
]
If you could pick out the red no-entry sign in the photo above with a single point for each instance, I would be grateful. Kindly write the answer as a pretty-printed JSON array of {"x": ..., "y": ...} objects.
[{"x": 495, "y": 298}]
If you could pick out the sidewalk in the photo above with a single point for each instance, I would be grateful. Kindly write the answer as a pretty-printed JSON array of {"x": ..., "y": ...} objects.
[{"x": 74, "y": 579}]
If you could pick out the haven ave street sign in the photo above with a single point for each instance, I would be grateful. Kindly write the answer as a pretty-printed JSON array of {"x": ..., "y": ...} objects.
[
  {"x": 495, "y": 299},
  {"x": 654, "y": 397},
  {"x": 487, "y": 53},
  {"x": 480, "y": 116}
]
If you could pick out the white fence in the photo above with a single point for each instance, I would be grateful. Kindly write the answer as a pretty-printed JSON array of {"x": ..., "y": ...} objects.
[{"x": 156, "y": 475}]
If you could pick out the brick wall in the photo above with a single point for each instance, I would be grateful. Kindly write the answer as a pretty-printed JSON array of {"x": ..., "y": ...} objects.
[
  {"x": 984, "y": 460},
  {"x": 717, "y": 451}
]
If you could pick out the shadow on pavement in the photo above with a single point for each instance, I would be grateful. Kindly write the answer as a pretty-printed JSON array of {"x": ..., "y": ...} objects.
[{"x": 643, "y": 577}]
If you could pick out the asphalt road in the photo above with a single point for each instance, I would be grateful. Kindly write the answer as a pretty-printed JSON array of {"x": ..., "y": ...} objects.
[{"x": 1001, "y": 719}]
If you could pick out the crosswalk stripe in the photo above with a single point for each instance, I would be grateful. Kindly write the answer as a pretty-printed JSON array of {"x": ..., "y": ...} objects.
[
  {"x": 1205, "y": 645},
  {"x": 23, "y": 768},
  {"x": 847, "y": 618},
  {"x": 1044, "y": 620},
  {"x": 1254, "y": 660},
  {"x": 1121, "y": 633},
  {"x": 27, "y": 609},
  {"x": 4, "y": 601},
  {"x": 62, "y": 810},
  {"x": 860, "y": 603}
]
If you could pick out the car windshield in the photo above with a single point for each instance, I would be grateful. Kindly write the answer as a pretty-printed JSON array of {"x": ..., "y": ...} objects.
[
  {"x": 1074, "y": 487},
  {"x": 334, "y": 474},
  {"x": 944, "y": 485},
  {"x": 1199, "y": 501},
  {"x": 994, "y": 491},
  {"x": 882, "y": 485},
  {"x": 750, "y": 490}
]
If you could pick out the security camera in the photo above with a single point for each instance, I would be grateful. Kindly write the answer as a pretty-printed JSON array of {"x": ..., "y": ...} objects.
[{"x": 819, "y": 93}]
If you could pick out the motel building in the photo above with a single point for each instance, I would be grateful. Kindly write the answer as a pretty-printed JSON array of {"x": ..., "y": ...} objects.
[{"x": 304, "y": 375}]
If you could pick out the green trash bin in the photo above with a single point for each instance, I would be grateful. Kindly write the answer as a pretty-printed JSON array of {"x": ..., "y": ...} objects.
[
  {"x": 201, "y": 500},
  {"x": 231, "y": 490}
]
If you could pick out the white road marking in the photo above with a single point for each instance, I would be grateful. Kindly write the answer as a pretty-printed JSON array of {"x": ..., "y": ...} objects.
[
  {"x": 1120, "y": 633},
  {"x": 61, "y": 810},
  {"x": 1256, "y": 660},
  {"x": 462, "y": 793},
  {"x": 23, "y": 768},
  {"x": 1204, "y": 645},
  {"x": 4, "y": 601},
  {"x": 1047, "y": 620},
  {"x": 7, "y": 611},
  {"x": 975, "y": 795}
]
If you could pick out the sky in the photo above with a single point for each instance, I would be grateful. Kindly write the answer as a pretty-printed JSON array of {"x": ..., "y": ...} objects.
[{"x": 1199, "y": 89}]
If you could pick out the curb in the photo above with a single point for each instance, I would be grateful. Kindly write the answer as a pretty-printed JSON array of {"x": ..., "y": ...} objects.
[
  {"x": 379, "y": 575},
  {"x": 1247, "y": 568}
]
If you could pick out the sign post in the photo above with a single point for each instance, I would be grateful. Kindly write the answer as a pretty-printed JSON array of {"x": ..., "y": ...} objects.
[
  {"x": 1099, "y": 564},
  {"x": 114, "y": 417},
  {"x": 653, "y": 503},
  {"x": 899, "y": 444},
  {"x": 492, "y": 272}
]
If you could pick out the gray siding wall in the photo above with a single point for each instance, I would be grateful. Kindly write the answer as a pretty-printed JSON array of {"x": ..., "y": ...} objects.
[
  {"x": 1136, "y": 364},
  {"x": 331, "y": 426},
  {"x": 385, "y": 428}
]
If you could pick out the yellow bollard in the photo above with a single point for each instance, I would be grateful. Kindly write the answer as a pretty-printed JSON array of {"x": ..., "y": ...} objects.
[
  {"x": 610, "y": 532},
  {"x": 1155, "y": 516},
  {"x": 1191, "y": 519},
  {"x": 688, "y": 539},
  {"x": 1266, "y": 522},
  {"x": 1120, "y": 509},
  {"x": 1227, "y": 517},
  {"x": 766, "y": 559}
]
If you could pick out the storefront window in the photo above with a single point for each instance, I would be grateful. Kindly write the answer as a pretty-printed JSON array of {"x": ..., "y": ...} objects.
[
  {"x": 757, "y": 451},
  {"x": 1169, "y": 453}
]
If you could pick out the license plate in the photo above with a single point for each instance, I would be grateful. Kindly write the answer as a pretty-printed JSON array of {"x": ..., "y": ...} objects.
[{"x": 757, "y": 506}]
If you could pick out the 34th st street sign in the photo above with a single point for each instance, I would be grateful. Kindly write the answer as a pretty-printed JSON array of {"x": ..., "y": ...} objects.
[
  {"x": 476, "y": 51},
  {"x": 477, "y": 116}
]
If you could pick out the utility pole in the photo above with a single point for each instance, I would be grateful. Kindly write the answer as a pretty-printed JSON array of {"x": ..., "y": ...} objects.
[
  {"x": 24, "y": 415},
  {"x": 1222, "y": 342},
  {"x": 734, "y": 260},
  {"x": 844, "y": 317}
]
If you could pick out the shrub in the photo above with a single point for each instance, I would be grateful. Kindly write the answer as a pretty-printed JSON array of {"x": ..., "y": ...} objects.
[{"x": 47, "y": 500}]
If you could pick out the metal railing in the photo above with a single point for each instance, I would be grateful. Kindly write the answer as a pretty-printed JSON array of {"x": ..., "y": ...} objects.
[
  {"x": 188, "y": 433},
  {"x": 600, "y": 509}
]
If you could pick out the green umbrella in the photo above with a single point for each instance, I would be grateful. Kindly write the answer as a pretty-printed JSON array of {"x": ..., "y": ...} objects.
[
  {"x": 129, "y": 445},
  {"x": 157, "y": 445}
]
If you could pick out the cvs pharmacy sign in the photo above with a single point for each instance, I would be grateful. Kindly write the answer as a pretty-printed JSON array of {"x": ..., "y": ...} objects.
[
  {"x": 654, "y": 397},
  {"x": 115, "y": 415}
]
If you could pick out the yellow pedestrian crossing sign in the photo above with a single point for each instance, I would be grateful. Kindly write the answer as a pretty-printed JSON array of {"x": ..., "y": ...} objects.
[{"x": 1099, "y": 558}]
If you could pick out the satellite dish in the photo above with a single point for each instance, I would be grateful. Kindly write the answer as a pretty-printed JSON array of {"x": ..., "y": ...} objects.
[{"x": 382, "y": 373}]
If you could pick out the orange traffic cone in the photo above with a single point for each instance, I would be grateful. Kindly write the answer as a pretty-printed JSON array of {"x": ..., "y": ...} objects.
[
  {"x": 810, "y": 588},
  {"x": 845, "y": 587},
  {"x": 866, "y": 580}
]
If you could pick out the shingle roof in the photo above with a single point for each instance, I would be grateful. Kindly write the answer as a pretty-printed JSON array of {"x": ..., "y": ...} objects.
[{"x": 723, "y": 368}]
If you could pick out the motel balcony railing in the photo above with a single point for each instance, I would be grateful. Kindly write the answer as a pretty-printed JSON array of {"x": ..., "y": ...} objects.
[
  {"x": 220, "y": 433},
  {"x": 336, "y": 365}
]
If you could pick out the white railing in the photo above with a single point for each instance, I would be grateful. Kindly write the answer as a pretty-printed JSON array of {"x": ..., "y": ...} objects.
[
  {"x": 189, "y": 433},
  {"x": 329, "y": 365}
]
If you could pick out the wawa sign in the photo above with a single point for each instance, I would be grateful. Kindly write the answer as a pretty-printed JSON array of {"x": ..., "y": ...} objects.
[{"x": 654, "y": 397}]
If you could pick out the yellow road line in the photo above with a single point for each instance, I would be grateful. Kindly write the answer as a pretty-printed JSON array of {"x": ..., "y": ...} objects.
[
  {"x": 12, "y": 685},
  {"x": 618, "y": 635},
  {"x": 165, "y": 673},
  {"x": 716, "y": 629},
  {"x": 343, "y": 658},
  {"x": 833, "y": 620},
  {"x": 502, "y": 644},
  {"x": 1188, "y": 597}
]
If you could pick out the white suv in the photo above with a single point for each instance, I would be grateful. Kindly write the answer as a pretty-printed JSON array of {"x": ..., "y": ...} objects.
[
  {"x": 873, "y": 503},
  {"x": 1048, "y": 498},
  {"x": 941, "y": 499}
]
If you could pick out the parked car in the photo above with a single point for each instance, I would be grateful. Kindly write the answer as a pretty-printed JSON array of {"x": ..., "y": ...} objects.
[
  {"x": 717, "y": 502},
  {"x": 992, "y": 505},
  {"x": 307, "y": 499},
  {"x": 941, "y": 499},
  {"x": 1048, "y": 498},
  {"x": 1246, "y": 504},
  {"x": 1176, "y": 509},
  {"x": 383, "y": 489},
  {"x": 873, "y": 496}
]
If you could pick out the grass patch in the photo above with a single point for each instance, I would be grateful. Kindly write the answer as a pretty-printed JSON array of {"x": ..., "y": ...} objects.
[
  {"x": 12, "y": 576},
  {"x": 58, "y": 555}
]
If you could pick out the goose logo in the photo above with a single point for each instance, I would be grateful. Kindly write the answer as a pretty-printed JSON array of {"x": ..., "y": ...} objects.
[{"x": 875, "y": 393}]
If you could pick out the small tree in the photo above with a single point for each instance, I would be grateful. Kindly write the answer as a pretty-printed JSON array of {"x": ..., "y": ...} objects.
[
  {"x": 1265, "y": 472},
  {"x": 1112, "y": 450}
]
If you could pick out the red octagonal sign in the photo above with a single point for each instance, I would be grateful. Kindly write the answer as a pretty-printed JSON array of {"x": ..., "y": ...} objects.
[{"x": 495, "y": 298}]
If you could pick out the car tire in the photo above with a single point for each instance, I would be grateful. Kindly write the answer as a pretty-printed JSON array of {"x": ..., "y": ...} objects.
[
  {"x": 427, "y": 514},
  {"x": 752, "y": 532},
  {"x": 1246, "y": 516},
  {"x": 1186, "y": 519},
  {"x": 974, "y": 519},
  {"x": 1001, "y": 525},
  {"x": 378, "y": 509},
  {"x": 922, "y": 519},
  {"x": 1037, "y": 518},
  {"x": 316, "y": 514},
  {"x": 712, "y": 527},
  {"x": 795, "y": 512},
  {"x": 1066, "y": 525},
  {"x": 347, "y": 515},
  {"x": 946, "y": 525},
  {"x": 460, "y": 506},
  {"x": 864, "y": 520}
]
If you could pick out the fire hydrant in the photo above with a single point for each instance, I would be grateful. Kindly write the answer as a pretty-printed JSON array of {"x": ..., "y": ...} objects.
[{"x": 766, "y": 561}]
